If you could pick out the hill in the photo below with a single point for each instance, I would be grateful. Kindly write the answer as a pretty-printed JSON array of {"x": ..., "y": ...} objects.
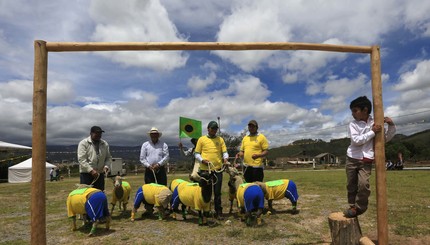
[{"x": 413, "y": 147}]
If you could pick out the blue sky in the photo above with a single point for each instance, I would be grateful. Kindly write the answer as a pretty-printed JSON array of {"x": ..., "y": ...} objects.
[{"x": 292, "y": 94}]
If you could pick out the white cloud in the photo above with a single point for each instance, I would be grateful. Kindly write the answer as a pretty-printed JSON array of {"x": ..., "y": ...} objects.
[
  {"x": 147, "y": 98},
  {"x": 22, "y": 90},
  {"x": 195, "y": 15},
  {"x": 264, "y": 26},
  {"x": 197, "y": 84},
  {"x": 137, "y": 21},
  {"x": 419, "y": 78},
  {"x": 417, "y": 17}
]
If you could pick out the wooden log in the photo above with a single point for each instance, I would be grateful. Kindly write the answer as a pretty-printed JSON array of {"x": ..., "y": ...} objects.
[
  {"x": 233, "y": 46},
  {"x": 344, "y": 231},
  {"x": 366, "y": 241},
  {"x": 38, "y": 178},
  {"x": 379, "y": 147}
]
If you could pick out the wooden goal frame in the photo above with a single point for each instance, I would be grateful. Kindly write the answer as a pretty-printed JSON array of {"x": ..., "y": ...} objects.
[{"x": 42, "y": 48}]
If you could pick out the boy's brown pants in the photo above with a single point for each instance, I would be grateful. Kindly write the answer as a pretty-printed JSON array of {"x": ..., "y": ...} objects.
[{"x": 358, "y": 185}]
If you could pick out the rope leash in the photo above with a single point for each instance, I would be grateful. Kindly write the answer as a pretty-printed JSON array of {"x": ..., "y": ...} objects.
[
  {"x": 155, "y": 177},
  {"x": 95, "y": 179}
]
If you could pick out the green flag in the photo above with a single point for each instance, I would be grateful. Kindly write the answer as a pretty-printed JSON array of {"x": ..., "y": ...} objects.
[{"x": 189, "y": 128}]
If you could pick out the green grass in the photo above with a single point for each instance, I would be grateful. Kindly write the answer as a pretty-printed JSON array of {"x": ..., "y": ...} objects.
[{"x": 321, "y": 192}]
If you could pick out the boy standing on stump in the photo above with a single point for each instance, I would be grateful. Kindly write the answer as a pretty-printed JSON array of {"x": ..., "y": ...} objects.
[{"x": 360, "y": 154}]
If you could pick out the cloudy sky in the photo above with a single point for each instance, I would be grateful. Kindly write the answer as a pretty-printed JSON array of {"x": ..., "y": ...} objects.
[{"x": 292, "y": 94}]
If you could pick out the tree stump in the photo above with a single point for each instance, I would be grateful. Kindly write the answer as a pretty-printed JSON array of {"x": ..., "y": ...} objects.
[{"x": 344, "y": 231}]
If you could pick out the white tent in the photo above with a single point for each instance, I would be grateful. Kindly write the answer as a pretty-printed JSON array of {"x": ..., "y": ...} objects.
[
  {"x": 6, "y": 146},
  {"x": 21, "y": 172}
]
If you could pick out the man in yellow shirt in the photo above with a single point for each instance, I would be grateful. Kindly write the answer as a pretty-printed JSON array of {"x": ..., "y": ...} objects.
[
  {"x": 254, "y": 149},
  {"x": 211, "y": 153}
]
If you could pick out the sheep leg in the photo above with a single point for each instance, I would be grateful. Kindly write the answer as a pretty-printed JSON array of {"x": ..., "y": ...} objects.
[
  {"x": 184, "y": 211},
  {"x": 242, "y": 214},
  {"x": 74, "y": 223},
  {"x": 269, "y": 203},
  {"x": 248, "y": 218},
  {"x": 133, "y": 212},
  {"x": 203, "y": 217},
  {"x": 259, "y": 212},
  {"x": 93, "y": 229},
  {"x": 124, "y": 207},
  {"x": 113, "y": 207},
  {"x": 160, "y": 212},
  {"x": 108, "y": 220}
]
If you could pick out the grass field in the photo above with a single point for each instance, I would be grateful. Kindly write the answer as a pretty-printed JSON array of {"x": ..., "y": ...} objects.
[{"x": 321, "y": 192}]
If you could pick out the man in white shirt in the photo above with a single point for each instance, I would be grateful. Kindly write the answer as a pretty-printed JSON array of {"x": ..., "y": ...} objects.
[{"x": 154, "y": 155}]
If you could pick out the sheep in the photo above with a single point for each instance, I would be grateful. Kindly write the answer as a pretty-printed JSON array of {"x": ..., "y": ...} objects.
[
  {"x": 278, "y": 189},
  {"x": 175, "y": 183},
  {"x": 234, "y": 182},
  {"x": 152, "y": 195},
  {"x": 89, "y": 202},
  {"x": 120, "y": 193},
  {"x": 250, "y": 198},
  {"x": 194, "y": 195}
]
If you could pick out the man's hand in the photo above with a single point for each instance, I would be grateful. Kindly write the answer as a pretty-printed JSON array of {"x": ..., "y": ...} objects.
[
  {"x": 255, "y": 156},
  {"x": 94, "y": 173},
  {"x": 205, "y": 162}
]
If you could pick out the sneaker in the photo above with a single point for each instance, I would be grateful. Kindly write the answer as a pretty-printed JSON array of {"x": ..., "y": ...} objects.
[{"x": 350, "y": 212}]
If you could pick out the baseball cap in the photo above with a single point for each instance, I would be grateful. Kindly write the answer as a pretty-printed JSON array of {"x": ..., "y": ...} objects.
[
  {"x": 213, "y": 124},
  {"x": 253, "y": 122},
  {"x": 96, "y": 129}
]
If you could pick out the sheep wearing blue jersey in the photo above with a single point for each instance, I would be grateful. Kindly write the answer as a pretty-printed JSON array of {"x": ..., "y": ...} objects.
[
  {"x": 279, "y": 189},
  {"x": 250, "y": 199},
  {"x": 92, "y": 204},
  {"x": 194, "y": 195}
]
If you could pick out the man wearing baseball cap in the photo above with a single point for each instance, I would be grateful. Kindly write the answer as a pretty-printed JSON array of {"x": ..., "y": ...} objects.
[
  {"x": 211, "y": 153},
  {"x": 93, "y": 157},
  {"x": 254, "y": 149}
]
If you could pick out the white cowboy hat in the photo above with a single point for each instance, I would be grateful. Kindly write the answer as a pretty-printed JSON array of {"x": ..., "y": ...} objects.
[{"x": 155, "y": 131}]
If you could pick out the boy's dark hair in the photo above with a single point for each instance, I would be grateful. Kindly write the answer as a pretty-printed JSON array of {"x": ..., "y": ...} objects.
[{"x": 362, "y": 102}]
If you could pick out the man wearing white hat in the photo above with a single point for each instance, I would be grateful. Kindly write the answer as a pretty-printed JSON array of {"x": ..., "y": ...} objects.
[{"x": 154, "y": 155}]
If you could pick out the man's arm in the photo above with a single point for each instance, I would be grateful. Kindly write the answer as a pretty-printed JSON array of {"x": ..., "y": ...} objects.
[
  {"x": 143, "y": 154},
  {"x": 83, "y": 157},
  {"x": 165, "y": 158}
]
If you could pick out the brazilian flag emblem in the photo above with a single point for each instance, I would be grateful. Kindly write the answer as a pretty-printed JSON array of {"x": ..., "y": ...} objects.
[{"x": 189, "y": 128}]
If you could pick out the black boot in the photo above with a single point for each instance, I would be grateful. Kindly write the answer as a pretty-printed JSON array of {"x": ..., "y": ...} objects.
[{"x": 218, "y": 215}]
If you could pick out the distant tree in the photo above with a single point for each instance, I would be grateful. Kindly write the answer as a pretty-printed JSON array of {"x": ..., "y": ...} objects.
[
  {"x": 391, "y": 151},
  {"x": 233, "y": 142}
]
